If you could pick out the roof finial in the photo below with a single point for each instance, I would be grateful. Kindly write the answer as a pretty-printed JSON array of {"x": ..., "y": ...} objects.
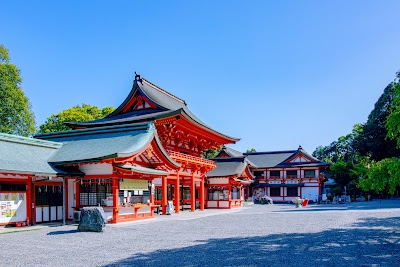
[
  {"x": 300, "y": 147},
  {"x": 138, "y": 78}
]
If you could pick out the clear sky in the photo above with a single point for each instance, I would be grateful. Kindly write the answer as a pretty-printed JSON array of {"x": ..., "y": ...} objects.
[{"x": 274, "y": 73}]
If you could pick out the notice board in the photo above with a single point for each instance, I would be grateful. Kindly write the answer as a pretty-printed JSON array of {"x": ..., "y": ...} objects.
[{"x": 12, "y": 207}]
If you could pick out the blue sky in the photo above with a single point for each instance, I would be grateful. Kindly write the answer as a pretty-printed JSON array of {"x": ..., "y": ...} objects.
[{"x": 274, "y": 73}]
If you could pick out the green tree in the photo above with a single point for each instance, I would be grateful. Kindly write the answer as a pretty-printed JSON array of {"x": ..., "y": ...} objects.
[
  {"x": 373, "y": 142},
  {"x": 85, "y": 112},
  {"x": 211, "y": 153},
  {"x": 342, "y": 149},
  {"x": 382, "y": 176},
  {"x": 251, "y": 150},
  {"x": 393, "y": 119},
  {"x": 16, "y": 116},
  {"x": 347, "y": 175}
]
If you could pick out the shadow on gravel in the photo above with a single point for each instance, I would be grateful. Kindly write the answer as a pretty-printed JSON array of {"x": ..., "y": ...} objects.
[
  {"x": 63, "y": 232},
  {"x": 369, "y": 243},
  {"x": 310, "y": 210},
  {"x": 375, "y": 204}
]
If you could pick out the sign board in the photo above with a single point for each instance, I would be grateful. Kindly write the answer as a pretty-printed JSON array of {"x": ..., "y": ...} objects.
[
  {"x": 12, "y": 207},
  {"x": 133, "y": 184}
]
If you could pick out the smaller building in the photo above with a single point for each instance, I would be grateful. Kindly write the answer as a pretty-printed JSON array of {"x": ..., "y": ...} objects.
[
  {"x": 285, "y": 175},
  {"x": 30, "y": 188},
  {"x": 228, "y": 185}
]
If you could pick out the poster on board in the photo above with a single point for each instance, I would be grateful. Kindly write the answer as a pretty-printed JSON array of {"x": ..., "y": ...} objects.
[{"x": 12, "y": 207}]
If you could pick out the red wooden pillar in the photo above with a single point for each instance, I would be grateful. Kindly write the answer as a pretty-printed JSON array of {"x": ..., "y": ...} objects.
[
  {"x": 115, "y": 192},
  {"x": 177, "y": 197},
  {"x": 77, "y": 193},
  {"x": 152, "y": 191},
  {"x": 66, "y": 198},
  {"x": 164, "y": 200},
  {"x": 29, "y": 202},
  {"x": 230, "y": 195},
  {"x": 201, "y": 194},
  {"x": 206, "y": 196},
  {"x": 192, "y": 193}
]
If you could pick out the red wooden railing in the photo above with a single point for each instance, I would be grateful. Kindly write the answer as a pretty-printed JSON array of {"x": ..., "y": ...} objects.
[{"x": 190, "y": 159}]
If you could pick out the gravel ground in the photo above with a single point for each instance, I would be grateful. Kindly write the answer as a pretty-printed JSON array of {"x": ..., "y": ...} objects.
[{"x": 366, "y": 234}]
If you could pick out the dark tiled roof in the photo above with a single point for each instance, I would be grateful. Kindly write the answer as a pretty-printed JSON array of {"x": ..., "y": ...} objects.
[
  {"x": 27, "y": 155},
  {"x": 167, "y": 105},
  {"x": 95, "y": 144},
  {"x": 269, "y": 159},
  {"x": 228, "y": 166},
  {"x": 230, "y": 152},
  {"x": 278, "y": 159}
]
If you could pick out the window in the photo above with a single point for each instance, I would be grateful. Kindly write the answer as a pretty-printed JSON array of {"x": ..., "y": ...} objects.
[
  {"x": 48, "y": 195},
  {"x": 309, "y": 173},
  {"x": 275, "y": 174},
  {"x": 13, "y": 187},
  {"x": 291, "y": 191},
  {"x": 275, "y": 191},
  {"x": 93, "y": 194},
  {"x": 258, "y": 173},
  {"x": 291, "y": 174}
]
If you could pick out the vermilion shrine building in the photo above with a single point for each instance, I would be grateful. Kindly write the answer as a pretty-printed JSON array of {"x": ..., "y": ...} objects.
[
  {"x": 144, "y": 155},
  {"x": 285, "y": 175},
  {"x": 228, "y": 185},
  {"x": 147, "y": 152}
]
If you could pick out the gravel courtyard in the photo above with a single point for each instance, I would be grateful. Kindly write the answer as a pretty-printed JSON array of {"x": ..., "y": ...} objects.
[{"x": 359, "y": 234}]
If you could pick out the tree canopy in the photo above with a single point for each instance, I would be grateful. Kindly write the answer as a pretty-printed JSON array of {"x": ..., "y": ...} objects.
[
  {"x": 211, "y": 153},
  {"x": 342, "y": 149},
  {"x": 369, "y": 157},
  {"x": 374, "y": 142},
  {"x": 84, "y": 112},
  {"x": 384, "y": 174},
  {"x": 393, "y": 119},
  {"x": 16, "y": 116}
]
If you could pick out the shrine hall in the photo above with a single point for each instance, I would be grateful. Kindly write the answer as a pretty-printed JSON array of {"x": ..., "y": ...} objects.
[{"x": 144, "y": 156}]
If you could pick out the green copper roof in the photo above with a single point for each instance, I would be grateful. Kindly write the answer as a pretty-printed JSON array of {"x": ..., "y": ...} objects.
[
  {"x": 167, "y": 105},
  {"x": 27, "y": 155},
  {"x": 228, "y": 167},
  {"x": 95, "y": 144}
]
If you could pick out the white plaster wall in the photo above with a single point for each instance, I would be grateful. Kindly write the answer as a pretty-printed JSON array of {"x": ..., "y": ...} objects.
[
  {"x": 71, "y": 197},
  {"x": 96, "y": 169},
  {"x": 212, "y": 204},
  {"x": 157, "y": 181},
  {"x": 224, "y": 204},
  {"x": 309, "y": 192},
  {"x": 289, "y": 198},
  {"x": 218, "y": 180}
]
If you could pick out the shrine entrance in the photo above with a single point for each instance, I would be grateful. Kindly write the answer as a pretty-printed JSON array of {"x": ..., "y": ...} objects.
[{"x": 49, "y": 203}]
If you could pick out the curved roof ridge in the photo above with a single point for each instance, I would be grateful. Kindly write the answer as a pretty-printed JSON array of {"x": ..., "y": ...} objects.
[
  {"x": 28, "y": 141},
  {"x": 270, "y": 152},
  {"x": 148, "y": 126},
  {"x": 232, "y": 149},
  {"x": 163, "y": 91}
]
